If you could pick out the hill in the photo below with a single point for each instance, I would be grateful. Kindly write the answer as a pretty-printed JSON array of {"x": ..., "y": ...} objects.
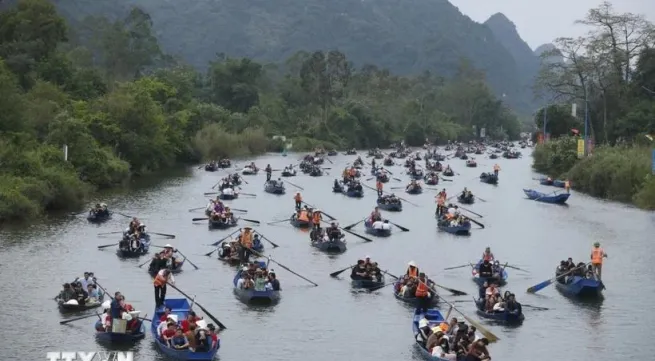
[{"x": 404, "y": 38}]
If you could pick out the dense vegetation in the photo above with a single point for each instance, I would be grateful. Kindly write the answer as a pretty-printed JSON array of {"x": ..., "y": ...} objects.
[
  {"x": 429, "y": 35},
  {"x": 614, "y": 70},
  {"x": 124, "y": 107}
]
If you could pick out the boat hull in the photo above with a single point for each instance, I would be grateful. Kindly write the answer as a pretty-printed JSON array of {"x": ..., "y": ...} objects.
[
  {"x": 463, "y": 229},
  {"x": 289, "y": 174},
  {"x": 545, "y": 198},
  {"x": 274, "y": 189},
  {"x": 333, "y": 246},
  {"x": 466, "y": 200},
  {"x": 447, "y": 174},
  {"x": 489, "y": 178},
  {"x": 127, "y": 253},
  {"x": 67, "y": 308},
  {"x": 553, "y": 183},
  {"x": 481, "y": 280},
  {"x": 366, "y": 284},
  {"x": 433, "y": 299},
  {"x": 298, "y": 223},
  {"x": 252, "y": 296},
  {"x": 434, "y": 318},
  {"x": 218, "y": 224},
  {"x": 120, "y": 338},
  {"x": 505, "y": 317},
  {"x": 376, "y": 232},
  {"x": 390, "y": 207},
  {"x": 98, "y": 217},
  {"x": 581, "y": 288},
  {"x": 354, "y": 193},
  {"x": 414, "y": 191}
]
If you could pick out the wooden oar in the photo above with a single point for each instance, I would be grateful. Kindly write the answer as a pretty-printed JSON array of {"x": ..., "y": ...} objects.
[
  {"x": 107, "y": 245},
  {"x": 536, "y": 308},
  {"x": 336, "y": 273},
  {"x": 108, "y": 233},
  {"x": 210, "y": 193},
  {"x": 215, "y": 244},
  {"x": 144, "y": 263},
  {"x": 163, "y": 234},
  {"x": 248, "y": 194},
  {"x": 196, "y": 209},
  {"x": 546, "y": 283},
  {"x": 397, "y": 179},
  {"x": 358, "y": 235},
  {"x": 456, "y": 267},
  {"x": 470, "y": 211},
  {"x": 239, "y": 210},
  {"x": 251, "y": 220},
  {"x": 199, "y": 219},
  {"x": 75, "y": 319},
  {"x": 480, "y": 199},
  {"x": 124, "y": 215},
  {"x": 297, "y": 186},
  {"x": 373, "y": 289},
  {"x": 220, "y": 325},
  {"x": 268, "y": 240},
  {"x": 476, "y": 222},
  {"x": 516, "y": 268},
  {"x": 284, "y": 267},
  {"x": 396, "y": 188},
  {"x": 181, "y": 254},
  {"x": 399, "y": 226},
  {"x": 280, "y": 221},
  {"x": 347, "y": 228}
]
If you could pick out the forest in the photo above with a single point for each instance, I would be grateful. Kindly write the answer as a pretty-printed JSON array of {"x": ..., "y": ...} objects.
[
  {"x": 611, "y": 74},
  {"x": 123, "y": 107}
]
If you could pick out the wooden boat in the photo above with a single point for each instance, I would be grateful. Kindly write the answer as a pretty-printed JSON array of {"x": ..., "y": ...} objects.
[
  {"x": 331, "y": 246},
  {"x": 552, "y": 182},
  {"x": 505, "y": 317},
  {"x": 332, "y": 153},
  {"x": 120, "y": 337},
  {"x": 366, "y": 284},
  {"x": 382, "y": 177},
  {"x": 481, "y": 280},
  {"x": 493, "y": 156},
  {"x": 234, "y": 259},
  {"x": 466, "y": 200},
  {"x": 385, "y": 231},
  {"x": 74, "y": 306},
  {"x": 433, "y": 299},
  {"x": 288, "y": 173},
  {"x": 252, "y": 296},
  {"x": 388, "y": 162},
  {"x": 414, "y": 190},
  {"x": 463, "y": 156},
  {"x": 213, "y": 167},
  {"x": 224, "y": 163},
  {"x": 391, "y": 207},
  {"x": 298, "y": 223},
  {"x": 511, "y": 154},
  {"x": 489, "y": 178},
  {"x": 179, "y": 309},
  {"x": 463, "y": 229},
  {"x": 448, "y": 172},
  {"x": 274, "y": 187},
  {"x": 98, "y": 217},
  {"x": 351, "y": 152},
  {"x": 219, "y": 224},
  {"x": 227, "y": 194},
  {"x": 431, "y": 180},
  {"x": 176, "y": 270},
  {"x": 338, "y": 188},
  {"x": 471, "y": 163},
  {"x": 136, "y": 253},
  {"x": 560, "y": 198},
  {"x": 249, "y": 170},
  {"x": 416, "y": 174},
  {"x": 316, "y": 172},
  {"x": 581, "y": 287},
  {"x": 354, "y": 193}
]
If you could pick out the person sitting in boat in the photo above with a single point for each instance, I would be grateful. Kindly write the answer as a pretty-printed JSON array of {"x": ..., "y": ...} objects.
[
  {"x": 374, "y": 271},
  {"x": 333, "y": 232},
  {"x": 511, "y": 305},
  {"x": 317, "y": 218},
  {"x": 358, "y": 161},
  {"x": 412, "y": 269},
  {"x": 424, "y": 331},
  {"x": 93, "y": 294},
  {"x": 256, "y": 241},
  {"x": 359, "y": 271},
  {"x": 492, "y": 294},
  {"x": 465, "y": 193},
  {"x": 487, "y": 255},
  {"x": 375, "y": 215},
  {"x": 87, "y": 279},
  {"x": 260, "y": 280},
  {"x": 497, "y": 270},
  {"x": 273, "y": 283},
  {"x": 442, "y": 350},
  {"x": 81, "y": 295},
  {"x": 336, "y": 185},
  {"x": 67, "y": 293},
  {"x": 156, "y": 264},
  {"x": 357, "y": 186},
  {"x": 170, "y": 332},
  {"x": 219, "y": 207},
  {"x": 179, "y": 341},
  {"x": 485, "y": 270},
  {"x": 408, "y": 287},
  {"x": 253, "y": 166},
  {"x": 245, "y": 282},
  {"x": 413, "y": 185}
]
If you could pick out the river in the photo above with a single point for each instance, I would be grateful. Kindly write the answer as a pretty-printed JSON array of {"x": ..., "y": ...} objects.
[{"x": 330, "y": 322}]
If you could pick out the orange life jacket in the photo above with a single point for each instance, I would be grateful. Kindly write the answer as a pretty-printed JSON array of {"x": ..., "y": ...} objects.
[
  {"x": 298, "y": 198},
  {"x": 422, "y": 290},
  {"x": 353, "y": 172},
  {"x": 441, "y": 201},
  {"x": 246, "y": 239},
  {"x": 303, "y": 216},
  {"x": 159, "y": 280},
  {"x": 316, "y": 217},
  {"x": 597, "y": 256},
  {"x": 412, "y": 272}
]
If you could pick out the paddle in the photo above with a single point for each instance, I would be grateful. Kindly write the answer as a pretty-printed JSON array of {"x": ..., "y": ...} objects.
[
  {"x": 546, "y": 283},
  {"x": 107, "y": 233},
  {"x": 163, "y": 234},
  {"x": 373, "y": 289},
  {"x": 470, "y": 211},
  {"x": 220, "y": 325},
  {"x": 251, "y": 220},
  {"x": 239, "y": 210},
  {"x": 486, "y": 333},
  {"x": 476, "y": 222},
  {"x": 329, "y": 216},
  {"x": 358, "y": 235},
  {"x": 516, "y": 268},
  {"x": 75, "y": 319},
  {"x": 268, "y": 240},
  {"x": 456, "y": 267},
  {"x": 124, "y": 215},
  {"x": 107, "y": 245},
  {"x": 144, "y": 263},
  {"x": 336, "y": 273},
  {"x": 283, "y": 266},
  {"x": 280, "y": 221},
  {"x": 199, "y": 219},
  {"x": 248, "y": 194},
  {"x": 445, "y": 179},
  {"x": 347, "y": 228},
  {"x": 210, "y": 193},
  {"x": 397, "y": 179},
  {"x": 399, "y": 226},
  {"x": 536, "y": 308},
  {"x": 480, "y": 199},
  {"x": 299, "y": 187},
  {"x": 196, "y": 209},
  {"x": 396, "y": 188}
]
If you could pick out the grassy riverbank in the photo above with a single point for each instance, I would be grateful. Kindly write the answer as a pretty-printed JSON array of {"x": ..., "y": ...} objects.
[{"x": 616, "y": 173}]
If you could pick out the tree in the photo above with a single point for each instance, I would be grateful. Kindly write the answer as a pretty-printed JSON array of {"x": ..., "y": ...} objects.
[{"x": 559, "y": 120}]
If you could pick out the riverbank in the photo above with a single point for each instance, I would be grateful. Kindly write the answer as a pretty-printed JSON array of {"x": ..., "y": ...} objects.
[{"x": 616, "y": 173}]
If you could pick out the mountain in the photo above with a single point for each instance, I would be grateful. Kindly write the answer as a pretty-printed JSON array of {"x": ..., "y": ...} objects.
[
  {"x": 548, "y": 47},
  {"x": 404, "y": 37}
]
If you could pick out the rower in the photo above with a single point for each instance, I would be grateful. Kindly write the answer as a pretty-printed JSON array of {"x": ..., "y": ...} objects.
[
  {"x": 443, "y": 194},
  {"x": 373, "y": 163},
  {"x": 269, "y": 171},
  {"x": 379, "y": 187},
  {"x": 567, "y": 186},
  {"x": 496, "y": 169},
  {"x": 412, "y": 270},
  {"x": 298, "y": 199},
  {"x": 485, "y": 270},
  {"x": 422, "y": 293},
  {"x": 334, "y": 233},
  {"x": 245, "y": 240},
  {"x": 317, "y": 218},
  {"x": 256, "y": 241},
  {"x": 162, "y": 278},
  {"x": 375, "y": 215},
  {"x": 487, "y": 255},
  {"x": 597, "y": 255},
  {"x": 465, "y": 193}
]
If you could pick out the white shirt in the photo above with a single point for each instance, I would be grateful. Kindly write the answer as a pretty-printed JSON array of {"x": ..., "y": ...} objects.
[
  {"x": 85, "y": 282},
  {"x": 171, "y": 279},
  {"x": 497, "y": 307},
  {"x": 377, "y": 225},
  {"x": 228, "y": 191},
  {"x": 452, "y": 210},
  {"x": 162, "y": 326},
  {"x": 240, "y": 283}
]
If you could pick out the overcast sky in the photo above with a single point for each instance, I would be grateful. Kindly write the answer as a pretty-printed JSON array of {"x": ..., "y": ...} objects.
[{"x": 540, "y": 21}]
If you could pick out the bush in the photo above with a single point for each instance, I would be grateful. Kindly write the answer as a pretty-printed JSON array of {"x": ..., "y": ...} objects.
[
  {"x": 556, "y": 157},
  {"x": 301, "y": 144},
  {"x": 213, "y": 142}
]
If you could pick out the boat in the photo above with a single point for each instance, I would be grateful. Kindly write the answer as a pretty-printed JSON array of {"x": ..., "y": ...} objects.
[
  {"x": 219, "y": 224},
  {"x": 505, "y": 317},
  {"x": 316, "y": 172},
  {"x": 212, "y": 167},
  {"x": 354, "y": 193},
  {"x": 332, "y": 153},
  {"x": 224, "y": 163},
  {"x": 552, "y": 182},
  {"x": 391, "y": 207},
  {"x": 560, "y": 198},
  {"x": 135, "y": 253},
  {"x": 289, "y": 173},
  {"x": 470, "y": 199},
  {"x": 298, "y": 223},
  {"x": 337, "y": 188},
  {"x": 366, "y": 284},
  {"x": 385, "y": 231},
  {"x": 176, "y": 270},
  {"x": 481, "y": 280},
  {"x": 464, "y": 156},
  {"x": 249, "y": 170},
  {"x": 493, "y": 156},
  {"x": 98, "y": 216},
  {"x": 382, "y": 177},
  {"x": 331, "y": 246},
  {"x": 388, "y": 162},
  {"x": 118, "y": 335},
  {"x": 414, "y": 190},
  {"x": 228, "y": 194},
  {"x": 463, "y": 229},
  {"x": 180, "y": 309},
  {"x": 431, "y": 180},
  {"x": 434, "y": 318},
  {"x": 274, "y": 187},
  {"x": 433, "y": 299},
  {"x": 448, "y": 172},
  {"x": 74, "y": 306},
  {"x": 416, "y": 174},
  {"x": 471, "y": 163},
  {"x": 351, "y": 152},
  {"x": 489, "y": 178},
  {"x": 252, "y": 296},
  {"x": 581, "y": 287}
]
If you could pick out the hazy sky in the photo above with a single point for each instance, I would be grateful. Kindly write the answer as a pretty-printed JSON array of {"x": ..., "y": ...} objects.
[{"x": 541, "y": 21}]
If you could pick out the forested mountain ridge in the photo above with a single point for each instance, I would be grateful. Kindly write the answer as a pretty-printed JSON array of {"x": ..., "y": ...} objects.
[{"x": 406, "y": 38}]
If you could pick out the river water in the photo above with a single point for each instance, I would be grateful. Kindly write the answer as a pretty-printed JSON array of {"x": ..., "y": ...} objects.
[{"x": 330, "y": 322}]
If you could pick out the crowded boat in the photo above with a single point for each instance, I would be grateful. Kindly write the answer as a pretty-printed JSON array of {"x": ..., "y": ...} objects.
[
  {"x": 135, "y": 239},
  {"x": 98, "y": 213},
  {"x": 191, "y": 335},
  {"x": 257, "y": 277},
  {"x": 120, "y": 317},
  {"x": 366, "y": 274},
  {"x": 166, "y": 259},
  {"x": 413, "y": 187},
  {"x": 80, "y": 294},
  {"x": 414, "y": 285}
]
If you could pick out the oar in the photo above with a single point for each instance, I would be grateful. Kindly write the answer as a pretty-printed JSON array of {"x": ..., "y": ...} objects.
[
  {"x": 480, "y": 198},
  {"x": 108, "y": 233},
  {"x": 403, "y": 199},
  {"x": 399, "y": 226},
  {"x": 268, "y": 240},
  {"x": 199, "y": 219},
  {"x": 358, "y": 235},
  {"x": 107, "y": 245},
  {"x": 248, "y": 194},
  {"x": 397, "y": 179},
  {"x": 185, "y": 257},
  {"x": 251, "y": 220},
  {"x": 196, "y": 209},
  {"x": 486, "y": 333},
  {"x": 546, "y": 283},
  {"x": 75, "y": 319},
  {"x": 163, "y": 234},
  {"x": 336, "y": 273},
  {"x": 280, "y": 221},
  {"x": 516, "y": 268},
  {"x": 470, "y": 211},
  {"x": 215, "y": 244},
  {"x": 283, "y": 266},
  {"x": 220, "y": 325},
  {"x": 536, "y": 308},
  {"x": 239, "y": 210},
  {"x": 299, "y": 187},
  {"x": 456, "y": 267},
  {"x": 396, "y": 188},
  {"x": 144, "y": 263},
  {"x": 347, "y": 228},
  {"x": 476, "y": 222},
  {"x": 124, "y": 215},
  {"x": 210, "y": 193},
  {"x": 373, "y": 289}
]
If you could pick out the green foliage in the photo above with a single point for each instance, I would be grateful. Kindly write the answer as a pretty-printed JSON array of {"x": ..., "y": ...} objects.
[
  {"x": 559, "y": 120},
  {"x": 556, "y": 157}
]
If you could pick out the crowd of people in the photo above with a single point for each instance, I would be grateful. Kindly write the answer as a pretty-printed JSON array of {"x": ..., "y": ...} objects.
[
  {"x": 256, "y": 276},
  {"x": 491, "y": 301},
  {"x": 569, "y": 269},
  {"x": 192, "y": 334},
  {"x": 452, "y": 340},
  {"x": 134, "y": 237},
  {"x": 118, "y": 311},
  {"x": 217, "y": 211},
  {"x": 366, "y": 270},
  {"x": 80, "y": 292},
  {"x": 330, "y": 234}
]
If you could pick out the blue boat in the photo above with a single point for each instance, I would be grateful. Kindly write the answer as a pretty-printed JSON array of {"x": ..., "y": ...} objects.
[
  {"x": 413, "y": 300},
  {"x": 463, "y": 229},
  {"x": 489, "y": 178},
  {"x": 119, "y": 337},
  {"x": 252, "y": 296},
  {"x": 135, "y": 253},
  {"x": 552, "y": 182},
  {"x": 391, "y": 207},
  {"x": 581, "y": 287},
  {"x": 505, "y": 317},
  {"x": 354, "y": 193},
  {"x": 180, "y": 308},
  {"x": 366, "y": 284},
  {"x": 434, "y": 318},
  {"x": 274, "y": 187},
  {"x": 99, "y": 216},
  {"x": 331, "y": 246},
  {"x": 299, "y": 223},
  {"x": 560, "y": 198},
  {"x": 385, "y": 231},
  {"x": 481, "y": 280},
  {"x": 219, "y": 224}
]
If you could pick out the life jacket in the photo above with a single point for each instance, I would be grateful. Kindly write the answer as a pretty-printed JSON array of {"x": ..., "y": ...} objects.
[
  {"x": 597, "y": 256},
  {"x": 298, "y": 198},
  {"x": 412, "y": 271},
  {"x": 159, "y": 280},
  {"x": 379, "y": 185},
  {"x": 441, "y": 201},
  {"x": 303, "y": 216},
  {"x": 317, "y": 217},
  {"x": 246, "y": 239},
  {"x": 422, "y": 290}
]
